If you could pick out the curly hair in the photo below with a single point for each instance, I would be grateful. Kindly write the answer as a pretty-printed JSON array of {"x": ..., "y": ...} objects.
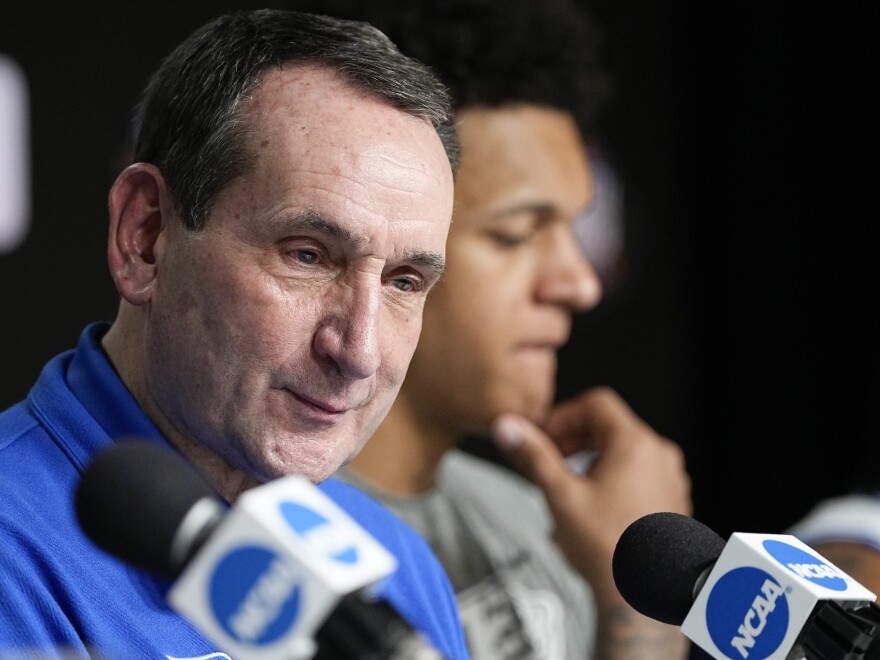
[{"x": 495, "y": 52}]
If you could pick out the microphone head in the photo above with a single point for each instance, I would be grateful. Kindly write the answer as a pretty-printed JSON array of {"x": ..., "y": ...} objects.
[
  {"x": 132, "y": 499},
  {"x": 658, "y": 560}
]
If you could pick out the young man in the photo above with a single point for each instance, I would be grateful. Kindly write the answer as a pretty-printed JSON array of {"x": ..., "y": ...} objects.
[
  {"x": 273, "y": 244},
  {"x": 524, "y": 83}
]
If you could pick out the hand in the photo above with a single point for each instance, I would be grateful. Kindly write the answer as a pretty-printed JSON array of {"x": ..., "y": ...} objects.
[{"x": 635, "y": 472}]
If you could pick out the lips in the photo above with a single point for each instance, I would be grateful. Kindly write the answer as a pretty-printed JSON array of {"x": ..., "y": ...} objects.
[
  {"x": 550, "y": 336},
  {"x": 549, "y": 342},
  {"x": 324, "y": 406},
  {"x": 549, "y": 345}
]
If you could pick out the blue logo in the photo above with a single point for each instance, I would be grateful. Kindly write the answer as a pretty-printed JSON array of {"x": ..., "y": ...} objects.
[
  {"x": 255, "y": 595},
  {"x": 747, "y": 614},
  {"x": 805, "y": 565},
  {"x": 321, "y": 535}
]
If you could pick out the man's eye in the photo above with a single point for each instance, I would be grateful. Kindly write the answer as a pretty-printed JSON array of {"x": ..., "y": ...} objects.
[
  {"x": 306, "y": 256},
  {"x": 508, "y": 239},
  {"x": 404, "y": 284},
  {"x": 407, "y": 284}
]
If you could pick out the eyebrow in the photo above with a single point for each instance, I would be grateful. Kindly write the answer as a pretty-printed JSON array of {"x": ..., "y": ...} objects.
[
  {"x": 540, "y": 209},
  {"x": 429, "y": 260},
  {"x": 314, "y": 221},
  {"x": 537, "y": 208}
]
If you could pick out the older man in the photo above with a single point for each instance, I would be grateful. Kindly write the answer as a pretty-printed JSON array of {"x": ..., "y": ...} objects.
[{"x": 273, "y": 244}]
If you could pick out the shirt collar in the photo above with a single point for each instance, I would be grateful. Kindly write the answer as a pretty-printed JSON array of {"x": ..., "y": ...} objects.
[
  {"x": 94, "y": 381},
  {"x": 83, "y": 404}
]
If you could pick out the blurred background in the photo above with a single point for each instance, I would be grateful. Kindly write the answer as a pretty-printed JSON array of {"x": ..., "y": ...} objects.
[{"x": 740, "y": 316}]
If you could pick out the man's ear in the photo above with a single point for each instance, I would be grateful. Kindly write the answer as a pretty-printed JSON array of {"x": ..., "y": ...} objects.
[{"x": 141, "y": 208}]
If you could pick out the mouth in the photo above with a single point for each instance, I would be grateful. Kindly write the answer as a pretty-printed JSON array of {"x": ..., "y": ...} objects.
[
  {"x": 329, "y": 408},
  {"x": 548, "y": 344}
]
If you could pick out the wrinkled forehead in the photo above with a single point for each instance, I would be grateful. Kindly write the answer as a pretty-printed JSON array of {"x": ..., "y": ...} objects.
[
  {"x": 310, "y": 108},
  {"x": 317, "y": 143}
]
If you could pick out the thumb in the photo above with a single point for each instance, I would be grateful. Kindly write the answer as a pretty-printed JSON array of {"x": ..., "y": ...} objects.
[{"x": 531, "y": 451}]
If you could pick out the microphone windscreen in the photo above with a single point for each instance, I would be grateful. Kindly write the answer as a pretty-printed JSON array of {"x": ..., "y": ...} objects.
[
  {"x": 658, "y": 560},
  {"x": 132, "y": 498}
]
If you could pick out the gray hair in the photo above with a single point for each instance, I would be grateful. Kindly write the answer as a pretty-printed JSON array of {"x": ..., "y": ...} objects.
[{"x": 190, "y": 121}]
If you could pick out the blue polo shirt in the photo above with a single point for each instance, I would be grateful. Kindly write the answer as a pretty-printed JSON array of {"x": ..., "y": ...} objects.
[{"x": 62, "y": 596}]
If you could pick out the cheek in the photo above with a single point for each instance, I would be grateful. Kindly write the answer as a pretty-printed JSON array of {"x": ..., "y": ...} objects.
[
  {"x": 400, "y": 336},
  {"x": 482, "y": 276},
  {"x": 220, "y": 322},
  {"x": 254, "y": 317},
  {"x": 474, "y": 310}
]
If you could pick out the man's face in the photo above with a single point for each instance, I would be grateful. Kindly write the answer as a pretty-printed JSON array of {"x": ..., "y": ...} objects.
[
  {"x": 279, "y": 335},
  {"x": 514, "y": 273}
]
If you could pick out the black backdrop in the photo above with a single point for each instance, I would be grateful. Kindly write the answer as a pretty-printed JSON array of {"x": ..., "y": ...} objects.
[{"x": 744, "y": 329}]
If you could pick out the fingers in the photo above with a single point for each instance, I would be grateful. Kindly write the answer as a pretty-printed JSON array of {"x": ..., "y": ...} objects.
[
  {"x": 530, "y": 450},
  {"x": 591, "y": 421},
  {"x": 636, "y": 472}
]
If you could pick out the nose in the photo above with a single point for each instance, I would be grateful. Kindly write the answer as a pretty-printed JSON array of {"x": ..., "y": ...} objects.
[
  {"x": 348, "y": 336},
  {"x": 567, "y": 277}
]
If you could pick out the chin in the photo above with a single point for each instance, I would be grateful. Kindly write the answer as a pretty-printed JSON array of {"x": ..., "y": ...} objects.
[
  {"x": 310, "y": 460},
  {"x": 534, "y": 406},
  {"x": 316, "y": 471}
]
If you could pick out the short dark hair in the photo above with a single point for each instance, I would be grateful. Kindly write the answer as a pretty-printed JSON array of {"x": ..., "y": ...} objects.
[
  {"x": 495, "y": 52},
  {"x": 190, "y": 123}
]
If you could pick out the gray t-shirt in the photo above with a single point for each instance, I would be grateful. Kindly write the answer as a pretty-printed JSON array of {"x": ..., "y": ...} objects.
[{"x": 491, "y": 529}]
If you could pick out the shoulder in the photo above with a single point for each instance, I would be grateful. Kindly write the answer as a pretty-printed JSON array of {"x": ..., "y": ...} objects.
[
  {"x": 30, "y": 464},
  {"x": 15, "y": 422},
  {"x": 493, "y": 488},
  {"x": 460, "y": 465}
]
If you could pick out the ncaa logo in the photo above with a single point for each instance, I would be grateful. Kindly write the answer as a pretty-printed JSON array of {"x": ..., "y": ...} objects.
[
  {"x": 255, "y": 595},
  {"x": 747, "y": 614},
  {"x": 323, "y": 537},
  {"x": 805, "y": 565}
]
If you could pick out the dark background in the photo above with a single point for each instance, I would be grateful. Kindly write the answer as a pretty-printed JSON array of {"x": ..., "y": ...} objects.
[{"x": 744, "y": 328}]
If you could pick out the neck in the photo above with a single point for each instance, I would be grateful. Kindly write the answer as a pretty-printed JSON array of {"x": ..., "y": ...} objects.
[
  {"x": 227, "y": 480},
  {"x": 124, "y": 345},
  {"x": 403, "y": 456}
]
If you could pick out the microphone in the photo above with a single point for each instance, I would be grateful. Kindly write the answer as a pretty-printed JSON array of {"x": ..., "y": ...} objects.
[
  {"x": 284, "y": 573},
  {"x": 756, "y": 597}
]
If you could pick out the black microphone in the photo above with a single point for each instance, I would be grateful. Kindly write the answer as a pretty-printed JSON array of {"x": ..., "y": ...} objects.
[
  {"x": 144, "y": 504},
  {"x": 757, "y": 596}
]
